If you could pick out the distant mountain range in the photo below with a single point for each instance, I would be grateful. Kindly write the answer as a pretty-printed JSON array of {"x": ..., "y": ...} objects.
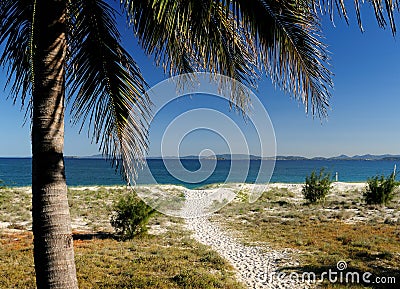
[{"x": 367, "y": 157}]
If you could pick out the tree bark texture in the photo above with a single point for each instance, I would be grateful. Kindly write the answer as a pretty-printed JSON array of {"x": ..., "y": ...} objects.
[{"x": 53, "y": 242}]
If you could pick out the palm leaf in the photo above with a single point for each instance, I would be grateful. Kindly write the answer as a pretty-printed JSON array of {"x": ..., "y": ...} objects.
[
  {"x": 106, "y": 83},
  {"x": 235, "y": 37},
  {"x": 383, "y": 9},
  {"x": 16, "y": 18},
  {"x": 187, "y": 36},
  {"x": 288, "y": 37}
]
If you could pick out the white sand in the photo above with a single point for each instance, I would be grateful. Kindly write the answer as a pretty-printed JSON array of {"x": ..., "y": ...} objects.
[
  {"x": 254, "y": 267},
  {"x": 4, "y": 225}
]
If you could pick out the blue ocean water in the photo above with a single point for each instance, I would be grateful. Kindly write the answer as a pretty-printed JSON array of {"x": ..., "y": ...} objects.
[{"x": 84, "y": 172}]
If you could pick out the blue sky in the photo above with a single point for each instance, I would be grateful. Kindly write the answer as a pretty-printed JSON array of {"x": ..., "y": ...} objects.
[{"x": 364, "y": 115}]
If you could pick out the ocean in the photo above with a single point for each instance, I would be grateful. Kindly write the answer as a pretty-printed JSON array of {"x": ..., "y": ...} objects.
[{"x": 87, "y": 172}]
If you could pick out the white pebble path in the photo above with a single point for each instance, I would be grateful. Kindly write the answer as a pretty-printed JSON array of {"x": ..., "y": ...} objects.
[{"x": 254, "y": 267}]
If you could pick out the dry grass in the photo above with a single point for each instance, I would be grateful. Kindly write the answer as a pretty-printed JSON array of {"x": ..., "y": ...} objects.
[
  {"x": 367, "y": 238},
  {"x": 165, "y": 258},
  {"x": 165, "y": 261},
  {"x": 342, "y": 228},
  {"x": 15, "y": 207}
]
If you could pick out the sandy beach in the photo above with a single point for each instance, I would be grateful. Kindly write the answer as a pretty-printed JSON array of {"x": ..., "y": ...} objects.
[{"x": 255, "y": 266}]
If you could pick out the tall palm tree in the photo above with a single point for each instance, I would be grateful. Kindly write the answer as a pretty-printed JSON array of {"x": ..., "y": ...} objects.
[{"x": 59, "y": 51}]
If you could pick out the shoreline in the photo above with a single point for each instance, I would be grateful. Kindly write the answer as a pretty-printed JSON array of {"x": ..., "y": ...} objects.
[{"x": 205, "y": 187}]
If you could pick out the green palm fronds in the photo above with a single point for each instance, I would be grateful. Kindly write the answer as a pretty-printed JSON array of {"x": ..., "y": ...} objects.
[{"x": 106, "y": 83}]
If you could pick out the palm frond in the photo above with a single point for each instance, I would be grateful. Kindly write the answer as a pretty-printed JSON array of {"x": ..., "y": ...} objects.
[
  {"x": 235, "y": 37},
  {"x": 157, "y": 37},
  {"x": 187, "y": 36},
  {"x": 106, "y": 83},
  {"x": 330, "y": 7},
  {"x": 383, "y": 9},
  {"x": 288, "y": 38},
  {"x": 16, "y": 18}
]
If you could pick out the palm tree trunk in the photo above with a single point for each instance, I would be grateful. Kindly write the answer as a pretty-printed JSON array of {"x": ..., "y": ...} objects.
[{"x": 53, "y": 243}]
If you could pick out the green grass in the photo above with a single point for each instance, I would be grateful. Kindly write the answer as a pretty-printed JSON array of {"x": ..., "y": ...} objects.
[
  {"x": 15, "y": 206},
  {"x": 166, "y": 259}
]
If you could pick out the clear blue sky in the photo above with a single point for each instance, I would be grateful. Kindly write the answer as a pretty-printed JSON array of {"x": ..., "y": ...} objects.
[{"x": 364, "y": 116}]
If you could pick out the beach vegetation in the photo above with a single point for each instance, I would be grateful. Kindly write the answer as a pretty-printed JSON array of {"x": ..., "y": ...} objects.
[
  {"x": 367, "y": 239},
  {"x": 57, "y": 52},
  {"x": 317, "y": 186},
  {"x": 168, "y": 260},
  {"x": 243, "y": 195},
  {"x": 130, "y": 217},
  {"x": 380, "y": 190},
  {"x": 320, "y": 236}
]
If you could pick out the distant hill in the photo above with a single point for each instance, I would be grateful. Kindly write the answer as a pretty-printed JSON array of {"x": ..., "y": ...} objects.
[
  {"x": 290, "y": 158},
  {"x": 375, "y": 157},
  {"x": 98, "y": 156},
  {"x": 366, "y": 157}
]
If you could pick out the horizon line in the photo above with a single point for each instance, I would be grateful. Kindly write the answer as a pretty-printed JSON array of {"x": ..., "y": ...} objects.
[{"x": 216, "y": 155}]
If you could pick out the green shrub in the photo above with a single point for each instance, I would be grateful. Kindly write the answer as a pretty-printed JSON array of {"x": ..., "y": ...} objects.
[
  {"x": 380, "y": 190},
  {"x": 317, "y": 186},
  {"x": 131, "y": 216}
]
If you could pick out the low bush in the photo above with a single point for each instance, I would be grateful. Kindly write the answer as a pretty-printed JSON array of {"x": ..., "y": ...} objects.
[
  {"x": 380, "y": 190},
  {"x": 131, "y": 216},
  {"x": 317, "y": 186}
]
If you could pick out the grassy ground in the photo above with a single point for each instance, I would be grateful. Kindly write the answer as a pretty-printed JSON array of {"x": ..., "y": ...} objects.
[
  {"x": 165, "y": 258},
  {"x": 343, "y": 228}
]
